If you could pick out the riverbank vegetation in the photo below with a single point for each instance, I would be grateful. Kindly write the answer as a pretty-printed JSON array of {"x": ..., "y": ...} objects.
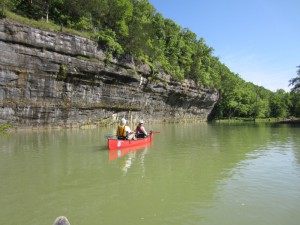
[
  {"x": 4, "y": 128},
  {"x": 133, "y": 28}
]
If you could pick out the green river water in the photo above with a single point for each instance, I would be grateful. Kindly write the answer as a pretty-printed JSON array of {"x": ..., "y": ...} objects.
[{"x": 212, "y": 174}]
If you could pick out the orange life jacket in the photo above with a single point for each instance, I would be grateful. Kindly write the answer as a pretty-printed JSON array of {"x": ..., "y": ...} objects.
[{"x": 121, "y": 132}]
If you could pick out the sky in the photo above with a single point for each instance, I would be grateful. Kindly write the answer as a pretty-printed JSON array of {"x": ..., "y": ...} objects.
[{"x": 257, "y": 39}]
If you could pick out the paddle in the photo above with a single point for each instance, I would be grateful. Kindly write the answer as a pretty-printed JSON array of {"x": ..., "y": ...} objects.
[
  {"x": 109, "y": 136},
  {"x": 155, "y": 132}
]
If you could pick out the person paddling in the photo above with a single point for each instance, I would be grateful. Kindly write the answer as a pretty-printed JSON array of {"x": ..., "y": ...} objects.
[
  {"x": 124, "y": 132},
  {"x": 140, "y": 130}
]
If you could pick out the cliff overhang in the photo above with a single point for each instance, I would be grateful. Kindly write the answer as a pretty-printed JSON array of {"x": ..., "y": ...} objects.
[{"x": 51, "y": 79}]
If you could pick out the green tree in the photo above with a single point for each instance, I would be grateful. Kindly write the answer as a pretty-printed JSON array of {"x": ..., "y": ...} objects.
[
  {"x": 158, "y": 40},
  {"x": 119, "y": 16},
  {"x": 107, "y": 39},
  {"x": 100, "y": 13},
  {"x": 36, "y": 9},
  {"x": 279, "y": 104},
  {"x": 138, "y": 42},
  {"x": 8, "y": 4},
  {"x": 172, "y": 31},
  {"x": 187, "y": 45},
  {"x": 295, "y": 106},
  {"x": 263, "y": 96},
  {"x": 200, "y": 65},
  {"x": 296, "y": 82},
  {"x": 229, "y": 98}
]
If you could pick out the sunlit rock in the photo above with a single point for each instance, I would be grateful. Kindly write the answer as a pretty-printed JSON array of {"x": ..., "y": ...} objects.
[{"x": 52, "y": 79}]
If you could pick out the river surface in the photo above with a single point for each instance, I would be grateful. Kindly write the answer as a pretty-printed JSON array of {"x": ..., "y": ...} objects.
[{"x": 212, "y": 174}]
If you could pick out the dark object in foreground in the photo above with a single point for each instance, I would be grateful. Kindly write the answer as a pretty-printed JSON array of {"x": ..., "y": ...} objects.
[{"x": 61, "y": 220}]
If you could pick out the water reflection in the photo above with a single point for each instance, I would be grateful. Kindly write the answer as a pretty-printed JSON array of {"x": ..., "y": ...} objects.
[
  {"x": 190, "y": 174},
  {"x": 128, "y": 162},
  {"x": 129, "y": 155},
  {"x": 116, "y": 153}
]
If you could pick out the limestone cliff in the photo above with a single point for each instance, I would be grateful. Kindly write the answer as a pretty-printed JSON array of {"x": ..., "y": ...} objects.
[{"x": 55, "y": 79}]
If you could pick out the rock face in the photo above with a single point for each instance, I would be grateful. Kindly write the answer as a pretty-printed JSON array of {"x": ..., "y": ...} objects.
[{"x": 50, "y": 79}]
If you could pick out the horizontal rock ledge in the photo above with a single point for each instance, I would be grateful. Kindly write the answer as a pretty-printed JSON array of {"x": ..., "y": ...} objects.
[{"x": 55, "y": 79}]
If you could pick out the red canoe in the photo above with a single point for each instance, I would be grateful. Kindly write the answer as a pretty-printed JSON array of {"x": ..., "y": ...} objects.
[
  {"x": 116, "y": 153},
  {"x": 117, "y": 144}
]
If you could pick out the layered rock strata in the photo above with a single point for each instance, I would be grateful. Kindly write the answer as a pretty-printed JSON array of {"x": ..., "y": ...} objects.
[{"x": 51, "y": 79}]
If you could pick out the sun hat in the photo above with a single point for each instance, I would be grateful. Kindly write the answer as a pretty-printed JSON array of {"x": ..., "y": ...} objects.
[
  {"x": 123, "y": 121},
  {"x": 141, "y": 121}
]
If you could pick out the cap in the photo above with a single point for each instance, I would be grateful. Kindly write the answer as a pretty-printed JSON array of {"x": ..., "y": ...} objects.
[{"x": 141, "y": 121}]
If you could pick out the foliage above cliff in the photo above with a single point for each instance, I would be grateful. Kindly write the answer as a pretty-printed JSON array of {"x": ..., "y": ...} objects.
[
  {"x": 295, "y": 82},
  {"x": 134, "y": 27}
]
